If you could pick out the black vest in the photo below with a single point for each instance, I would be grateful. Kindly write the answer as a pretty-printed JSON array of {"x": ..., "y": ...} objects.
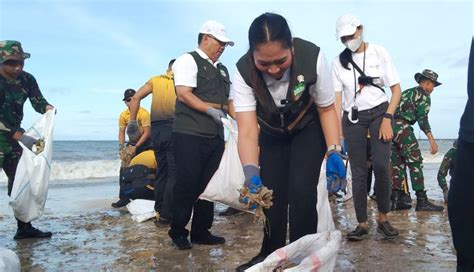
[
  {"x": 213, "y": 86},
  {"x": 297, "y": 111}
]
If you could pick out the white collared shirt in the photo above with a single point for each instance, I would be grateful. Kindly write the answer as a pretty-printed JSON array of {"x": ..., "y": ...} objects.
[
  {"x": 185, "y": 69},
  {"x": 322, "y": 92}
]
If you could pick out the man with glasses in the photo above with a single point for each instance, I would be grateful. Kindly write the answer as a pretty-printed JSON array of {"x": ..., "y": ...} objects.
[
  {"x": 136, "y": 144},
  {"x": 202, "y": 89},
  {"x": 16, "y": 86}
]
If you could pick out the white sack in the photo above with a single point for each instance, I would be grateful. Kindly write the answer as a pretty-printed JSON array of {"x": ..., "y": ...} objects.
[
  {"x": 141, "y": 209},
  {"x": 229, "y": 178},
  {"x": 9, "y": 262},
  {"x": 30, "y": 188}
]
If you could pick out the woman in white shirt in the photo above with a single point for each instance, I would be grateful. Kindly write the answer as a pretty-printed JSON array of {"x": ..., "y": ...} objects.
[
  {"x": 283, "y": 84},
  {"x": 359, "y": 74}
]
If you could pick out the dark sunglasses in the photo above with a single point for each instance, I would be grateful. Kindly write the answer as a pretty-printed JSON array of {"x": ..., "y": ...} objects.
[
  {"x": 14, "y": 62},
  {"x": 128, "y": 100}
]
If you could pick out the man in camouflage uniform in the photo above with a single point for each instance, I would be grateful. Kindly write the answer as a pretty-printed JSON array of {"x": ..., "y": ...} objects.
[
  {"x": 447, "y": 165},
  {"x": 16, "y": 86},
  {"x": 414, "y": 107}
]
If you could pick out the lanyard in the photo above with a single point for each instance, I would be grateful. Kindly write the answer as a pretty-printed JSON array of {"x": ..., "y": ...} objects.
[{"x": 355, "y": 79}]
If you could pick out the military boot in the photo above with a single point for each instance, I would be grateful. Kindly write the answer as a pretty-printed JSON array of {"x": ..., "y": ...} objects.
[
  {"x": 423, "y": 204},
  {"x": 400, "y": 200}
]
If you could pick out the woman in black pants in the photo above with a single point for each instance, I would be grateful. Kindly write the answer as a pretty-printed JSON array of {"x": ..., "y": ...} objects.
[
  {"x": 283, "y": 84},
  {"x": 359, "y": 74}
]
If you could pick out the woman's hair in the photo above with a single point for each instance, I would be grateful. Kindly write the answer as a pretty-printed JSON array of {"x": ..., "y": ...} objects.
[{"x": 268, "y": 27}]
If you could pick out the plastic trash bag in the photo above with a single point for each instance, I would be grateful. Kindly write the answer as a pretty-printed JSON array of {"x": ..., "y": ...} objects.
[
  {"x": 141, "y": 209},
  {"x": 229, "y": 178},
  {"x": 9, "y": 261},
  {"x": 313, "y": 252},
  {"x": 30, "y": 188}
]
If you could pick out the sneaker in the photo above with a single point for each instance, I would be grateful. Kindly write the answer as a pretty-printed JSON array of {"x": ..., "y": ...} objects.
[
  {"x": 121, "y": 203},
  {"x": 182, "y": 243},
  {"x": 255, "y": 260},
  {"x": 387, "y": 230},
  {"x": 31, "y": 232},
  {"x": 229, "y": 211},
  {"x": 358, "y": 234},
  {"x": 208, "y": 240}
]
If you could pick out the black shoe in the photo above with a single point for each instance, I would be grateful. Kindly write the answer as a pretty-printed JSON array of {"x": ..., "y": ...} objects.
[
  {"x": 423, "y": 204},
  {"x": 182, "y": 243},
  {"x": 31, "y": 232},
  {"x": 162, "y": 223},
  {"x": 358, "y": 234},
  {"x": 121, "y": 203},
  {"x": 400, "y": 200},
  {"x": 255, "y": 260},
  {"x": 387, "y": 230},
  {"x": 208, "y": 240},
  {"x": 229, "y": 211}
]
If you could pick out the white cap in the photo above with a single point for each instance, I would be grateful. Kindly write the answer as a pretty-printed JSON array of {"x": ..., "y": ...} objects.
[
  {"x": 347, "y": 25},
  {"x": 217, "y": 30}
]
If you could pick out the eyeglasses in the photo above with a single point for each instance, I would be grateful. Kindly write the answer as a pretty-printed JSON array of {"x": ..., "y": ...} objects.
[{"x": 224, "y": 44}]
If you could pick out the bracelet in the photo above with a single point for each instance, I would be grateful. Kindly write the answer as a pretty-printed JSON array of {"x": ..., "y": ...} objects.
[
  {"x": 333, "y": 148},
  {"x": 388, "y": 116}
]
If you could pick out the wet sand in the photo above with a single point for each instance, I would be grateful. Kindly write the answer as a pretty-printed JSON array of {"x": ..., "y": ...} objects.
[{"x": 90, "y": 235}]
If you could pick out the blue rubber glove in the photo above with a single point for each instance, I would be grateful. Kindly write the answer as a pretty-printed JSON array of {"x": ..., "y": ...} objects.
[
  {"x": 253, "y": 182},
  {"x": 335, "y": 172}
]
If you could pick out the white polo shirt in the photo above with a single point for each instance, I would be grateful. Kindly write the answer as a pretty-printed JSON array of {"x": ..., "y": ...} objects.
[
  {"x": 378, "y": 63},
  {"x": 185, "y": 69},
  {"x": 322, "y": 91}
]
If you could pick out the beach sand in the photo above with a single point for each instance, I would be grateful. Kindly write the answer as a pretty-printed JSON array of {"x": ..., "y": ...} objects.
[{"x": 90, "y": 235}]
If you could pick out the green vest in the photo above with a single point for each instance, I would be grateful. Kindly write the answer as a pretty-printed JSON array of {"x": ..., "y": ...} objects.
[
  {"x": 213, "y": 86},
  {"x": 298, "y": 111}
]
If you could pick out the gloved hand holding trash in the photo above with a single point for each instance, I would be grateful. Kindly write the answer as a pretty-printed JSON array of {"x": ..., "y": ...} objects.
[
  {"x": 335, "y": 172},
  {"x": 132, "y": 129},
  {"x": 256, "y": 196},
  {"x": 28, "y": 141}
]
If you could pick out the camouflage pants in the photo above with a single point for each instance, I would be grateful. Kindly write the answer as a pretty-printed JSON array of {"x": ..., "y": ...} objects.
[
  {"x": 10, "y": 153},
  {"x": 406, "y": 153}
]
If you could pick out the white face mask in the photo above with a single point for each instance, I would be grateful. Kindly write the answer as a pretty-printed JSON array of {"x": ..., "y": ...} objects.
[{"x": 354, "y": 44}]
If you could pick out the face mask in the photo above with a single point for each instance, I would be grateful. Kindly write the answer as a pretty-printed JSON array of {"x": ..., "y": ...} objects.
[{"x": 354, "y": 44}]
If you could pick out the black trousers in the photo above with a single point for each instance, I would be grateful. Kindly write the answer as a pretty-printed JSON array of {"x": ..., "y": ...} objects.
[
  {"x": 197, "y": 158},
  {"x": 290, "y": 167},
  {"x": 461, "y": 206},
  {"x": 163, "y": 147}
]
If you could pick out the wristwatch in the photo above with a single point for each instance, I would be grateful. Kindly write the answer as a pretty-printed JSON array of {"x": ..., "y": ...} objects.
[
  {"x": 333, "y": 148},
  {"x": 388, "y": 115}
]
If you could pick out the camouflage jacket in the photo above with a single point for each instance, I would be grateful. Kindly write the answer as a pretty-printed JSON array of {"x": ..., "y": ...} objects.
[
  {"x": 446, "y": 165},
  {"x": 414, "y": 107},
  {"x": 13, "y": 94}
]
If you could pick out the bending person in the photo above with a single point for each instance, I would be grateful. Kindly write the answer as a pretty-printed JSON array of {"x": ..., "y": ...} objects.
[{"x": 283, "y": 84}]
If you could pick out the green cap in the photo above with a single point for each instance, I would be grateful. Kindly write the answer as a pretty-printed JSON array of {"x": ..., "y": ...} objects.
[{"x": 12, "y": 50}]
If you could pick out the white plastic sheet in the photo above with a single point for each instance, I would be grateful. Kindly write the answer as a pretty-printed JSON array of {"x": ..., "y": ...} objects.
[
  {"x": 30, "y": 188},
  {"x": 229, "y": 178},
  {"x": 9, "y": 262},
  {"x": 141, "y": 209}
]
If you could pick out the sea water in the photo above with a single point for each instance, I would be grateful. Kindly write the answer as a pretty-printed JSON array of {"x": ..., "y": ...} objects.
[{"x": 95, "y": 161}]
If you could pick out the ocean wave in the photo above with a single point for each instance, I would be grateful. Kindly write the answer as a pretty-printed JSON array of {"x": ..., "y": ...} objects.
[{"x": 81, "y": 170}]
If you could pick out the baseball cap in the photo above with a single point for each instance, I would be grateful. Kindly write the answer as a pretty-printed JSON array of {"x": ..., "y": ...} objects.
[
  {"x": 12, "y": 50},
  {"x": 128, "y": 93},
  {"x": 217, "y": 30},
  {"x": 347, "y": 25}
]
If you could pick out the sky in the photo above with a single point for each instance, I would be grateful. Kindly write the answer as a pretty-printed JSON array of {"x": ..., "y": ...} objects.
[{"x": 85, "y": 53}]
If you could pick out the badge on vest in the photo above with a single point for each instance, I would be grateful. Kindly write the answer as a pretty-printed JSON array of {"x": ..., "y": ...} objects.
[
  {"x": 223, "y": 73},
  {"x": 299, "y": 87}
]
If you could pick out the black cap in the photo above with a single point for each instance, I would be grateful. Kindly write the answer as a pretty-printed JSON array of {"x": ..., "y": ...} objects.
[{"x": 128, "y": 93}]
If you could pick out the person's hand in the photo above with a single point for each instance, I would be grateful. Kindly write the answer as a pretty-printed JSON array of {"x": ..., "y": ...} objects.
[
  {"x": 385, "y": 131},
  {"x": 132, "y": 149},
  {"x": 335, "y": 172},
  {"x": 132, "y": 129},
  {"x": 28, "y": 141},
  {"x": 253, "y": 183},
  {"x": 445, "y": 195},
  {"x": 433, "y": 147},
  {"x": 216, "y": 114},
  {"x": 50, "y": 107}
]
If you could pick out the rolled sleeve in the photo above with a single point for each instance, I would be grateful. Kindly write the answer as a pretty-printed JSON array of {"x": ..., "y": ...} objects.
[{"x": 323, "y": 91}]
